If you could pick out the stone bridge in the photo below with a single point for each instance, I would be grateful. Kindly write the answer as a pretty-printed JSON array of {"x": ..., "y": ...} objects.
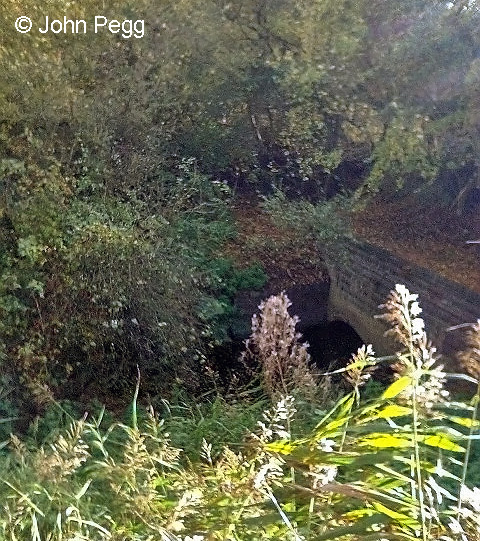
[
  {"x": 338, "y": 314},
  {"x": 360, "y": 283}
]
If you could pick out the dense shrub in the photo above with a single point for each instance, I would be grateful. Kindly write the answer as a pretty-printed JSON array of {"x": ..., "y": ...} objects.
[
  {"x": 93, "y": 285},
  {"x": 327, "y": 222}
]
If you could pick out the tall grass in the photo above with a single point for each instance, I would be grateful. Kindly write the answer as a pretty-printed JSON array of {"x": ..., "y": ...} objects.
[{"x": 369, "y": 468}]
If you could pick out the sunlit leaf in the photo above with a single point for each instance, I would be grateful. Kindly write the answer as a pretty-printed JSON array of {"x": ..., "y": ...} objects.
[
  {"x": 385, "y": 440},
  {"x": 442, "y": 442},
  {"x": 393, "y": 410},
  {"x": 404, "y": 519},
  {"x": 465, "y": 421},
  {"x": 283, "y": 447},
  {"x": 397, "y": 387},
  {"x": 344, "y": 404},
  {"x": 359, "y": 513},
  {"x": 336, "y": 424}
]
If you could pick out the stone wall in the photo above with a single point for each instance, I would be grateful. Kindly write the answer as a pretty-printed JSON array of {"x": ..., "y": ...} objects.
[{"x": 362, "y": 282}]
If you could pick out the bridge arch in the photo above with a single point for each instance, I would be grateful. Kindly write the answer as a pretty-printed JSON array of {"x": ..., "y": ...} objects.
[
  {"x": 332, "y": 343},
  {"x": 357, "y": 285}
]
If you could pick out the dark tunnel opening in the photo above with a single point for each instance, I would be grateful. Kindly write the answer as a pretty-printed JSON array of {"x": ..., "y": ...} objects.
[{"x": 331, "y": 344}]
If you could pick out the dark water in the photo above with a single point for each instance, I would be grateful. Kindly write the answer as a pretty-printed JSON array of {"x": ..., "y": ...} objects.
[{"x": 331, "y": 344}]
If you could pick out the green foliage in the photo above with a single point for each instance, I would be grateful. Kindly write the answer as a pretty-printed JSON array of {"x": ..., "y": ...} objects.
[
  {"x": 231, "y": 279},
  {"x": 231, "y": 85},
  {"x": 56, "y": 419},
  {"x": 327, "y": 222},
  {"x": 364, "y": 468},
  {"x": 9, "y": 410},
  {"x": 109, "y": 223},
  {"x": 252, "y": 277},
  {"x": 224, "y": 280},
  {"x": 93, "y": 283},
  {"x": 111, "y": 231},
  {"x": 403, "y": 155},
  {"x": 221, "y": 422}
]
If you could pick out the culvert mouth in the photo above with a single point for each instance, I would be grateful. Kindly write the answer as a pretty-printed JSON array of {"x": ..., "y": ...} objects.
[{"x": 331, "y": 344}]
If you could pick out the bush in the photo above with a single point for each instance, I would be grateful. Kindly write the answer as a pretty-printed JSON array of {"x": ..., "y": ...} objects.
[
  {"x": 326, "y": 222},
  {"x": 93, "y": 284}
]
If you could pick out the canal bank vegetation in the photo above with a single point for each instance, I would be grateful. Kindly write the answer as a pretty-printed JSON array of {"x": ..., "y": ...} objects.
[
  {"x": 291, "y": 462},
  {"x": 120, "y": 158},
  {"x": 124, "y": 157}
]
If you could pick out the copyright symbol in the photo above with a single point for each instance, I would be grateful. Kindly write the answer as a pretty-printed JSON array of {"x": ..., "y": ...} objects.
[{"x": 23, "y": 24}]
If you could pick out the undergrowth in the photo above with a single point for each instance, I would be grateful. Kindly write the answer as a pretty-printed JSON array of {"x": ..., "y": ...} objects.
[
  {"x": 327, "y": 222},
  {"x": 374, "y": 466}
]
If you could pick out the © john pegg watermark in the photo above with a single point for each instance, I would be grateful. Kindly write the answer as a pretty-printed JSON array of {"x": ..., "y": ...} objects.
[{"x": 126, "y": 28}]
